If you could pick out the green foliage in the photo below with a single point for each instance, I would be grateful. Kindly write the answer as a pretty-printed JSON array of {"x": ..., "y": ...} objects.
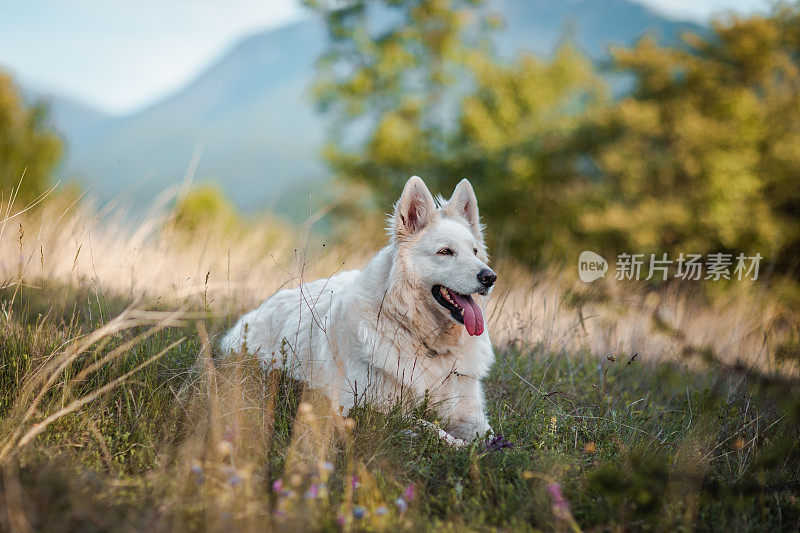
[
  {"x": 396, "y": 85},
  {"x": 519, "y": 143},
  {"x": 204, "y": 206},
  {"x": 705, "y": 153},
  {"x": 436, "y": 103},
  {"x": 702, "y": 156},
  {"x": 29, "y": 151}
]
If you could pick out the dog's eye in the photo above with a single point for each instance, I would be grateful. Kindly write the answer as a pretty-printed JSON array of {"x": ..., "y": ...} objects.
[
  {"x": 475, "y": 251},
  {"x": 445, "y": 251}
]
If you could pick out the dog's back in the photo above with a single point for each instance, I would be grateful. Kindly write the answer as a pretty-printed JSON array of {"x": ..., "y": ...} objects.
[{"x": 289, "y": 330}]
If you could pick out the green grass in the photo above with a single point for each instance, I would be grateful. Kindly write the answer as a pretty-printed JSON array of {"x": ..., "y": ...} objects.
[{"x": 633, "y": 445}]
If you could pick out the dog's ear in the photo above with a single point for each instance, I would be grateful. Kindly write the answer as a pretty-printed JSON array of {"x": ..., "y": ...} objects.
[
  {"x": 415, "y": 208},
  {"x": 464, "y": 204}
]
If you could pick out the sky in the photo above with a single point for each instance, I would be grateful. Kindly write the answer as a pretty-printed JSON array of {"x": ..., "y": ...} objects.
[{"x": 121, "y": 55}]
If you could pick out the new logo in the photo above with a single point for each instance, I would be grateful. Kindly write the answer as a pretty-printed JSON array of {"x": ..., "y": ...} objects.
[{"x": 591, "y": 266}]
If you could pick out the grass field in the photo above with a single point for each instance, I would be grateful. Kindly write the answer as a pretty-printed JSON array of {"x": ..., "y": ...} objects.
[{"x": 642, "y": 408}]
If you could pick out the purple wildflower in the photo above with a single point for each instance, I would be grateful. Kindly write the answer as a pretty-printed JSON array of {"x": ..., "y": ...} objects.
[
  {"x": 497, "y": 443},
  {"x": 355, "y": 482},
  {"x": 312, "y": 492},
  {"x": 277, "y": 485},
  {"x": 359, "y": 512},
  {"x": 409, "y": 492},
  {"x": 382, "y": 510},
  {"x": 560, "y": 505},
  {"x": 341, "y": 520}
]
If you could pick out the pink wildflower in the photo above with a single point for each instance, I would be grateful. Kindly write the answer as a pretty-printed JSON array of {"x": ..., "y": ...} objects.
[{"x": 409, "y": 492}]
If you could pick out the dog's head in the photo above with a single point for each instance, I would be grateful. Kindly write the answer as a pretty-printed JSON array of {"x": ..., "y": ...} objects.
[{"x": 442, "y": 251}]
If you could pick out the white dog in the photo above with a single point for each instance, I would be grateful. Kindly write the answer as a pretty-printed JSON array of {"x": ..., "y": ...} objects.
[{"x": 408, "y": 326}]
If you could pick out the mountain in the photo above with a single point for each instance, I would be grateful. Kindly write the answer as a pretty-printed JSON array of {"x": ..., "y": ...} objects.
[
  {"x": 594, "y": 25},
  {"x": 70, "y": 118},
  {"x": 250, "y": 119}
]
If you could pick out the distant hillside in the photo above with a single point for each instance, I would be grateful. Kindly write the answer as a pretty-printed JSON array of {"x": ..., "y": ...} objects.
[
  {"x": 248, "y": 116},
  {"x": 538, "y": 25},
  {"x": 73, "y": 120},
  {"x": 251, "y": 115}
]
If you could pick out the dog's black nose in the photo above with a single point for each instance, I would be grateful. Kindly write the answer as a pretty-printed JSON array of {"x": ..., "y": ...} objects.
[{"x": 486, "y": 277}]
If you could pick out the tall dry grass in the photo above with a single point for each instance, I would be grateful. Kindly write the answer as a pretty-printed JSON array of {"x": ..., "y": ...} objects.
[{"x": 231, "y": 271}]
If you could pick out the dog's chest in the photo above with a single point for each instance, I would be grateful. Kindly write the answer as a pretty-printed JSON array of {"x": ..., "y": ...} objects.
[{"x": 418, "y": 364}]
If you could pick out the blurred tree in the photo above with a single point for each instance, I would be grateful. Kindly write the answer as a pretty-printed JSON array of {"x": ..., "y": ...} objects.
[
  {"x": 704, "y": 155},
  {"x": 203, "y": 206},
  {"x": 413, "y": 88},
  {"x": 520, "y": 142},
  {"x": 27, "y": 146},
  {"x": 388, "y": 81},
  {"x": 203, "y": 212}
]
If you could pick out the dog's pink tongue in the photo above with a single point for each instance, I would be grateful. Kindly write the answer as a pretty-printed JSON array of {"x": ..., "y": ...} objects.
[{"x": 473, "y": 317}]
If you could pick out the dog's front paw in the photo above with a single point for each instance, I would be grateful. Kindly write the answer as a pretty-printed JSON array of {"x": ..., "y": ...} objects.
[
  {"x": 442, "y": 434},
  {"x": 451, "y": 440}
]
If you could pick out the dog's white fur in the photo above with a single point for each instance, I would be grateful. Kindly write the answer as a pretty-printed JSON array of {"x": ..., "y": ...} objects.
[{"x": 378, "y": 335}]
